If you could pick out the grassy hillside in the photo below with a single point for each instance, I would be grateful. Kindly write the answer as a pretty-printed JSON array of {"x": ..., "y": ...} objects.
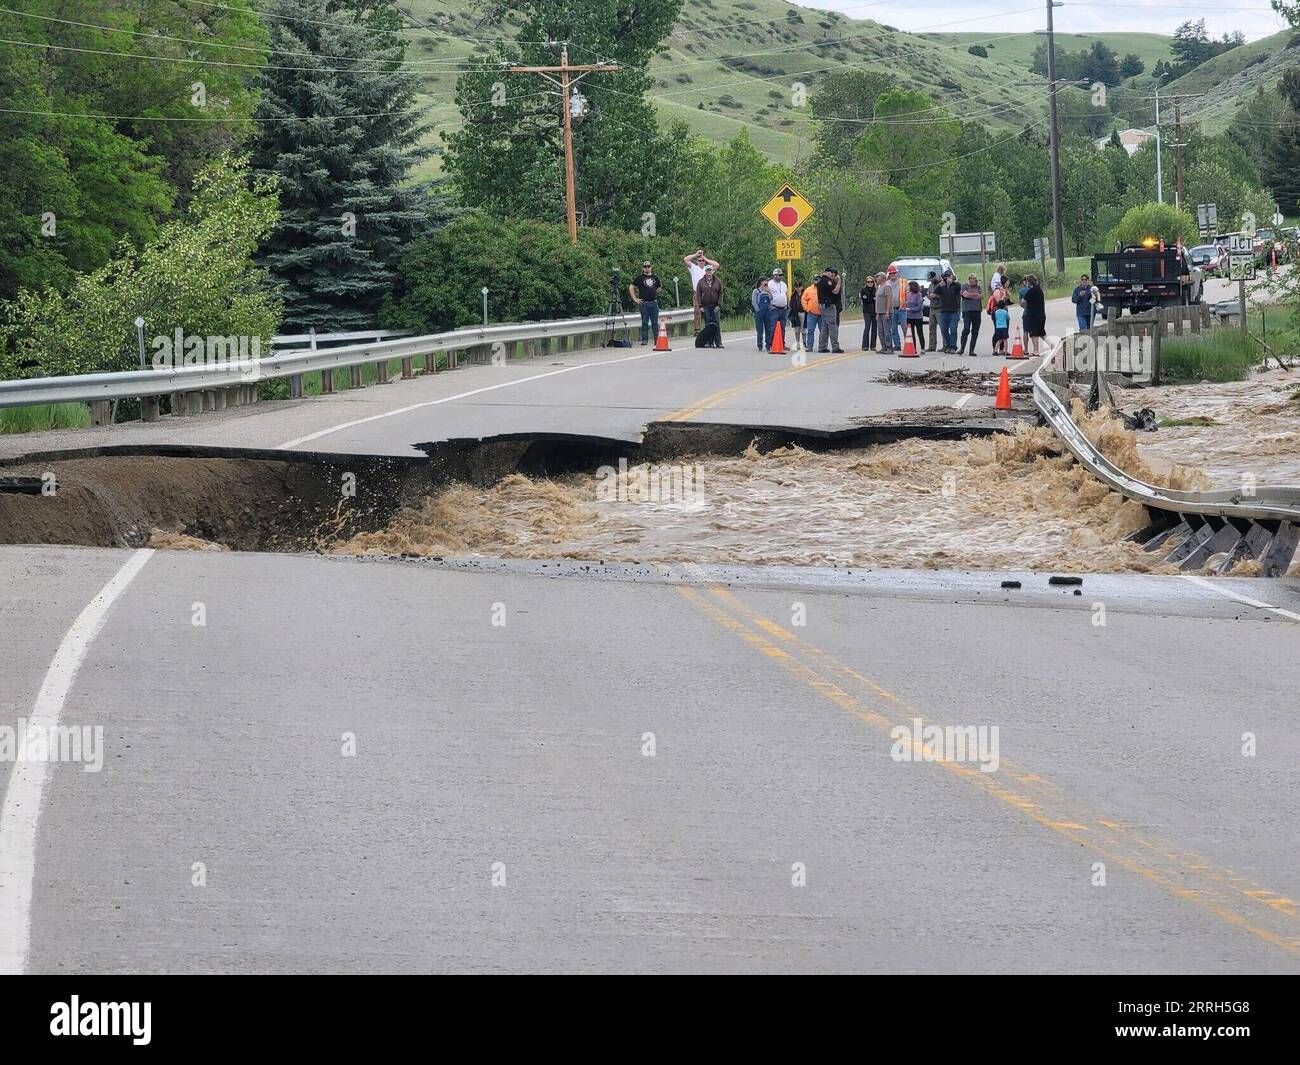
[
  {"x": 732, "y": 64},
  {"x": 1018, "y": 49},
  {"x": 1235, "y": 75}
]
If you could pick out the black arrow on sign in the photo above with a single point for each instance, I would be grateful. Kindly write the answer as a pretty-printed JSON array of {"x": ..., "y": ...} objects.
[{"x": 787, "y": 194}]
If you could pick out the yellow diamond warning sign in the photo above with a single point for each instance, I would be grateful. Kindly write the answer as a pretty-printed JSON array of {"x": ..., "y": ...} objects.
[{"x": 787, "y": 210}]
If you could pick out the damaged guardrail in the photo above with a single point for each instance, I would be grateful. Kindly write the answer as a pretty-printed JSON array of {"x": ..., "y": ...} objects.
[
  {"x": 1260, "y": 522},
  {"x": 207, "y": 386}
]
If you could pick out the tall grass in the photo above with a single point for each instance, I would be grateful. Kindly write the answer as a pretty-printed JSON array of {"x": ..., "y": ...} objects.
[
  {"x": 1219, "y": 355},
  {"x": 46, "y": 416}
]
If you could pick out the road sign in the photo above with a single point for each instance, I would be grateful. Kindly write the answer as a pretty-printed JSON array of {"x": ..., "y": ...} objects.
[
  {"x": 1207, "y": 219},
  {"x": 788, "y": 249},
  {"x": 787, "y": 210},
  {"x": 1241, "y": 243},
  {"x": 1241, "y": 268},
  {"x": 954, "y": 244},
  {"x": 1042, "y": 249}
]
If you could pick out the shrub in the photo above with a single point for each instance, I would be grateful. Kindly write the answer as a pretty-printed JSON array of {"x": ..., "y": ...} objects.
[
  {"x": 197, "y": 275},
  {"x": 531, "y": 270}
]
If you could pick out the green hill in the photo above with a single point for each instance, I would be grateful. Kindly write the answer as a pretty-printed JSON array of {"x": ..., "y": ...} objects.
[
  {"x": 732, "y": 64},
  {"x": 1233, "y": 76},
  {"x": 1018, "y": 49}
]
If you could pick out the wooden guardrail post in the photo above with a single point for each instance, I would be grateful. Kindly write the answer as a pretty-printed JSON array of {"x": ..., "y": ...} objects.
[
  {"x": 357, "y": 381},
  {"x": 381, "y": 372},
  {"x": 100, "y": 412},
  {"x": 408, "y": 368},
  {"x": 149, "y": 408}
]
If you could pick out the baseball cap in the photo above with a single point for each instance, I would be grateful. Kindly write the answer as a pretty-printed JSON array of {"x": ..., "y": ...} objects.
[
  {"x": 831, "y": 270},
  {"x": 776, "y": 272},
  {"x": 892, "y": 269},
  {"x": 646, "y": 263}
]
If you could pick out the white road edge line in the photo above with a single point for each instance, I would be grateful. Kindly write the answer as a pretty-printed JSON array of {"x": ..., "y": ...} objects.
[
  {"x": 964, "y": 400},
  {"x": 1240, "y": 598},
  {"x": 297, "y": 442},
  {"x": 23, "y": 795}
]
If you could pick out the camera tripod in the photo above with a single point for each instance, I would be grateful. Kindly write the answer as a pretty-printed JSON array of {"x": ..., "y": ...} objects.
[{"x": 615, "y": 314}]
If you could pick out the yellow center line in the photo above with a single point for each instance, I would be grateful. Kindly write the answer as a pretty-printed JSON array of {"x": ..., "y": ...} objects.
[
  {"x": 1193, "y": 882},
  {"x": 708, "y": 402}
]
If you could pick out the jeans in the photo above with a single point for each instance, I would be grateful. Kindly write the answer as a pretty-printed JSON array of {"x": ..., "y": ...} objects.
[
  {"x": 948, "y": 327},
  {"x": 810, "y": 335},
  {"x": 970, "y": 326},
  {"x": 1084, "y": 318},
  {"x": 830, "y": 326},
  {"x": 774, "y": 315},
  {"x": 933, "y": 329},
  {"x": 883, "y": 322},
  {"x": 760, "y": 327},
  {"x": 870, "y": 328},
  {"x": 899, "y": 323},
  {"x": 649, "y": 320}
]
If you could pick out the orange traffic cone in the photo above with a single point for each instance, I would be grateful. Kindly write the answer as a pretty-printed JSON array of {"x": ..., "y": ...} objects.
[
  {"x": 909, "y": 349},
  {"x": 1018, "y": 348},
  {"x": 661, "y": 341},
  {"x": 778, "y": 341},
  {"x": 1003, "y": 402}
]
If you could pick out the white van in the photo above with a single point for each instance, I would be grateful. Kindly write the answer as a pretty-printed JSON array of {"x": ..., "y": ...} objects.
[{"x": 917, "y": 268}]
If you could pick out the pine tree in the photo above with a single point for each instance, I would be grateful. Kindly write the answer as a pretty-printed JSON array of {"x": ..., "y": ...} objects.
[
  {"x": 339, "y": 130},
  {"x": 1281, "y": 170}
]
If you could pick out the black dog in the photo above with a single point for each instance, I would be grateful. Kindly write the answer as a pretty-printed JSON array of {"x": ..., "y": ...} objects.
[{"x": 709, "y": 337}]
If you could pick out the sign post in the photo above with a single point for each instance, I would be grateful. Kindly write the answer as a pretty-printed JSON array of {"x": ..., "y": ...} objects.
[
  {"x": 1041, "y": 252},
  {"x": 1241, "y": 268},
  {"x": 1207, "y": 220},
  {"x": 968, "y": 244},
  {"x": 787, "y": 210}
]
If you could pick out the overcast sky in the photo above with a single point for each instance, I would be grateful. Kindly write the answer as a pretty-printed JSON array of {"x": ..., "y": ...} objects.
[{"x": 1255, "y": 18}]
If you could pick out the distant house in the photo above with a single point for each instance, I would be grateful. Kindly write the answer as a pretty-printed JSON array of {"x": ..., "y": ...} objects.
[{"x": 1132, "y": 139}]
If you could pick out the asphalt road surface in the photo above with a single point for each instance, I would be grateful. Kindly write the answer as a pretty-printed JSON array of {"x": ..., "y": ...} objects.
[
  {"x": 612, "y": 392},
  {"x": 350, "y": 767}
]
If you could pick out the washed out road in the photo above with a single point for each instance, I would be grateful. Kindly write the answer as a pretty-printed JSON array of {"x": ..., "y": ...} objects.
[{"x": 324, "y": 764}]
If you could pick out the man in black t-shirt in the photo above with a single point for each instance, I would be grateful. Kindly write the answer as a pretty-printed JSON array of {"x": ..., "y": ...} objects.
[
  {"x": 831, "y": 301},
  {"x": 644, "y": 291}
]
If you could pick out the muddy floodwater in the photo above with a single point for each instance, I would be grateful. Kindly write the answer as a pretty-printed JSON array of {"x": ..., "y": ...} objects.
[
  {"x": 1010, "y": 501},
  {"x": 1248, "y": 428}
]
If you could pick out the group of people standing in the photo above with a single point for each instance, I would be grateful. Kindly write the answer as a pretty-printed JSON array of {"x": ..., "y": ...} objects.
[
  {"x": 893, "y": 307},
  {"x": 895, "y": 310}
]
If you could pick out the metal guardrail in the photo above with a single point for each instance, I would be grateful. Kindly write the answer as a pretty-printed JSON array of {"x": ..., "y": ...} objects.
[
  {"x": 315, "y": 339},
  {"x": 293, "y": 363},
  {"x": 1260, "y": 522}
]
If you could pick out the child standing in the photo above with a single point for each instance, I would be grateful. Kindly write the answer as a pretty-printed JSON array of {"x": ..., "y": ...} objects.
[
  {"x": 916, "y": 315},
  {"x": 1001, "y": 327}
]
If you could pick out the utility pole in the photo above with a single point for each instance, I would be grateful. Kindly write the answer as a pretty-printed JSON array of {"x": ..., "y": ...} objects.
[
  {"x": 1055, "y": 141},
  {"x": 567, "y": 86},
  {"x": 1178, "y": 145},
  {"x": 1160, "y": 185}
]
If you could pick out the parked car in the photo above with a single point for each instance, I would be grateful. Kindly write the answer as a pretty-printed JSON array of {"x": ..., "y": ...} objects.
[{"x": 1211, "y": 258}]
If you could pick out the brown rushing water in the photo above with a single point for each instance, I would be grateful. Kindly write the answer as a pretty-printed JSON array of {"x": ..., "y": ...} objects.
[
  {"x": 1255, "y": 430},
  {"x": 1005, "y": 502}
]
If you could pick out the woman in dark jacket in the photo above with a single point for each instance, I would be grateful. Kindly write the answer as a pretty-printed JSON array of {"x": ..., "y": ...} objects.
[
  {"x": 868, "y": 297},
  {"x": 1035, "y": 313}
]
